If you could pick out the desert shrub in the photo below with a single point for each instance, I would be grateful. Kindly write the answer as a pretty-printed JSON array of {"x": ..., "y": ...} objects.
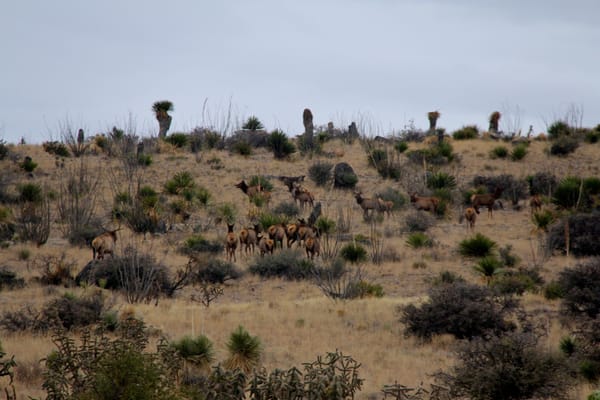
[
  {"x": 114, "y": 366},
  {"x": 262, "y": 181},
  {"x": 287, "y": 208},
  {"x": 419, "y": 221},
  {"x": 580, "y": 287},
  {"x": 245, "y": 351},
  {"x": 476, "y": 246},
  {"x": 30, "y": 193},
  {"x": 506, "y": 255},
  {"x": 567, "y": 193},
  {"x": 320, "y": 172},
  {"x": 558, "y": 129},
  {"x": 466, "y": 132},
  {"x": 583, "y": 349},
  {"x": 287, "y": 263},
  {"x": 71, "y": 312},
  {"x": 499, "y": 152},
  {"x": 441, "y": 180},
  {"x": 583, "y": 233},
  {"x": 386, "y": 166},
  {"x": 488, "y": 267},
  {"x": 364, "y": 289},
  {"x": 514, "y": 189},
  {"x": 344, "y": 176},
  {"x": 9, "y": 279},
  {"x": 180, "y": 181},
  {"x": 353, "y": 253},
  {"x": 252, "y": 123},
  {"x": 393, "y": 195},
  {"x": 553, "y": 290},
  {"x": 33, "y": 216},
  {"x": 592, "y": 136},
  {"x": 145, "y": 160},
  {"x": 242, "y": 148},
  {"x": 28, "y": 165},
  {"x": 56, "y": 270},
  {"x": 541, "y": 183},
  {"x": 199, "y": 244},
  {"x": 459, "y": 309},
  {"x": 417, "y": 240},
  {"x": 4, "y": 150},
  {"x": 267, "y": 219},
  {"x": 510, "y": 367},
  {"x": 518, "y": 152},
  {"x": 401, "y": 146},
  {"x": 198, "y": 351},
  {"x": 56, "y": 148},
  {"x": 213, "y": 270},
  {"x": 543, "y": 219},
  {"x": 564, "y": 146},
  {"x": 280, "y": 144},
  {"x": 591, "y": 185},
  {"x": 518, "y": 281},
  {"x": 436, "y": 154},
  {"x": 179, "y": 140},
  {"x": 447, "y": 277}
]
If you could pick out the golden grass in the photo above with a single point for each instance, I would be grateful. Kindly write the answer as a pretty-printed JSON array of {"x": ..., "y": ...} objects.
[{"x": 294, "y": 320}]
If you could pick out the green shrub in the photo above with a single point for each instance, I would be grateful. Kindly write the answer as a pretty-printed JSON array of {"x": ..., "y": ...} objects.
[
  {"x": 28, "y": 165},
  {"x": 476, "y": 246},
  {"x": 584, "y": 230},
  {"x": 198, "y": 244},
  {"x": 519, "y": 152},
  {"x": 344, "y": 176},
  {"x": 441, "y": 180},
  {"x": 148, "y": 196},
  {"x": 506, "y": 255},
  {"x": 558, "y": 129},
  {"x": 242, "y": 148},
  {"x": 567, "y": 193},
  {"x": 145, "y": 160},
  {"x": 3, "y": 149},
  {"x": 30, "y": 192},
  {"x": 244, "y": 351},
  {"x": 418, "y": 221},
  {"x": 580, "y": 289},
  {"x": 499, "y": 152},
  {"x": 543, "y": 219},
  {"x": 179, "y": 140},
  {"x": 419, "y": 239},
  {"x": 198, "y": 351},
  {"x": 56, "y": 148},
  {"x": 287, "y": 208},
  {"x": 287, "y": 263},
  {"x": 466, "y": 132},
  {"x": 71, "y": 312},
  {"x": 267, "y": 219},
  {"x": 320, "y": 172},
  {"x": 253, "y": 124},
  {"x": 197, "y": 193},
  {"x": 280, "y": 144},
  {"x": 262, "y": 181},
  {"x": 353, "y": 253},
  {"x": 363, "y": 289},
  {"x": 447, "y": 277},
  {"x": 518, "y": 282},
  {"x": 553, "y": 290},
  {"x": 401, "y": 146},
  {"x": 212, "y": 270},
  {"x": 180, "y": 181},
  {"x": 488, "y": 266},
  {"x": 393, "y": 195},
  {"x": 564, "y": 145}
]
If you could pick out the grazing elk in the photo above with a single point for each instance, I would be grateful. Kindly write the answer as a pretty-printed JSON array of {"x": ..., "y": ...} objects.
[
  {"x": 535, "y": 203},
  {"x": 366, "y": 204},
  {"x": 470, "y": 217},
  {"x": 277, "y": 233},
  {"x": 104, "y": 244},
  {"x": 425, "y": 203},
  {"x": 230, "y": 243},
  {"x": 248, "y": 239},
  {"x": 313, "y": 247},
  {"x": 302, "y": 196},
  {"x": 487, "y": 199},
  {"x": 265, "y": 245}
]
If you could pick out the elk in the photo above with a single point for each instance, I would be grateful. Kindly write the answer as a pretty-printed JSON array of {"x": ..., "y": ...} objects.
[
  {"x": 487, "y": 200},
  {"x": 471, "y": 217},
  {"x": 425, "y": 203},
  {"x": 265, "y": 245},
  {"x": 277, "y": 233},
  {"x": 248, "y": 239},
  {"x": 366, "y": 204},
  {"x": 313, "y": 247},
  {"x": 300, "y": 232},
  {"x": 104, "y": 244},
  {"x": 303, "y": 196},
  {"x": 535, "y": 203},
  {"x": 385, "y": 206},
  {"x": 230, "y": 243},
  {"x": 289, "y": 181}
]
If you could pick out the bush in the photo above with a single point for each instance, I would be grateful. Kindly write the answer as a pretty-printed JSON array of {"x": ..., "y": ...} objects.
[
  {"x": 245, "y": 351},
  {"x": 518, "y": 152},
  {"x": 280, "y": 144},
  {"x": 441, "y": 180},
  {"x": 353, "y": 253},
  {"x": 242, "y": 148},
  {"x": 543, "y": 219},
  {"x": 320, "y": 172},
  {"x": 71, "y": 312},
  {"x": 393, "y": 195},
  {"x": 344, "y": 176},
  {"x": 592, "y": 136},
  {"x": 253, "y": 124},
  {"x": 401, "y": 146},
  {"x": 553, "y": 291},
  {"x": 8, "y": 279},
  {"x": 28, "y": 165},
  {"x": 476, "y": 246},
  {"x": 541, "y": 183},
  {"x": 518, "y": 282},
  {"x": 3, "y": 149},
  {"x": 262, "y": 181},
  {"x": 563, "y": 146},
  {"x": 288, "y": 209},
  {"x": 584, "y": 230},
  {"x": 499, "y": 152},
  {"x": 510, "y": 367},
  {"x": 567, "y": 193},
  {"x": 30, "y": 193},
  {"x": 558, "y": 129},
  {"x": 56, "y": 148},
  {"x": 198, "y": 244},
  {"x": 459, "y": 309},
  {"x": 288, "y": 264},
  {"x": 419, "y": 221},
  {"x": 178, "y": 140},
  {"x": 180, "y": 181},
  {"x": 579, "y": 286},
  {"x": 198, "y": 351},
  {"x": 213, "y": 270},
  {"x": 419, "y": 239},
  {"x": 466, "y": 132},
  {"x": 447, "y": 277}
]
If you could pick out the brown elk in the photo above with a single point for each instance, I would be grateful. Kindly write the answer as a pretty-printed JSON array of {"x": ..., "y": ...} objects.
[
  {"x": 425, "y": 203},
  {"x": 248, "y": 239},
  {"x": 535, "y": 203},
  {"x": 265, "y": 245},
  {"x": 302, "y": 196},
  {"x": 277, "y": 233},
  {"x": 385, "y": 206},
  {"x": 470, "y": 217},
  {"x": 290, "y": 181},
  {"x": 366, "y": 204},
  {"x": 486, "y": 199},
  {"x": 104, "y": 244},
  {"x": 230, "y": 243},
  {"x": 313, "y": 247},
  {"x": 249, "y": 190}
]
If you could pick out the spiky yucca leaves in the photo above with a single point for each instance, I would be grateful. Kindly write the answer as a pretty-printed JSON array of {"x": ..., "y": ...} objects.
[
  {"x": 417, "y": 240},
  {"x": 245, "y": 351},
  {"x": 162, "y": 106},
  {"x": 354, "y": 253},
  {"x": 476, "y": 246},
  {"x": 253, "y": 124},
  {"x": 180, "y": 181},
  {"x": 280, "y": 144},
  {"x": 197, "y": 351},
  {"x": 488, "y": 267}
]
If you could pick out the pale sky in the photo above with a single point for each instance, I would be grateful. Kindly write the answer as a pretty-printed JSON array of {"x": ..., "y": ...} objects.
[{"x": 382, "y": 63}]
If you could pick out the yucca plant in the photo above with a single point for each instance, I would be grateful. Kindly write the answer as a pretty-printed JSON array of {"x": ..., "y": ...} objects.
[
  {"x": 476, "y": 246},
  {"x": 418, "y": 239},
  {"x": 441, "y": 180},
  {"x": 488, "y": 267},
  {"x": 245, "y": 351},
  {"x": 353, "y": 253},
  {"x": 280, "y": 144},
  {"x": 568, "y": 192},
  {"x": 180, "y": 181},
  {"x": 253, "y": 124},
  {"x": 518, "y": 152},
  {"x": 197, "y": 351},
  {"x": 161, "y": 111},
  {"x": 543, "y": 219},
  {"x": 227, "y": 212}
]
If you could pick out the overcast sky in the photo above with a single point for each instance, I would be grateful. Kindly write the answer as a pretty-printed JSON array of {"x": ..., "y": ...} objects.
[{"x": 383, "y": 63}]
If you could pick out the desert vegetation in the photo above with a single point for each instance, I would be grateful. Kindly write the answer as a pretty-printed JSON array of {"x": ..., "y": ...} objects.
[{"x": 381, "y": 295}]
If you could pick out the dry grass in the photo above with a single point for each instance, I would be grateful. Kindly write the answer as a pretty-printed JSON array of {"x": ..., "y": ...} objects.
[{"x": 294, "y": 320}]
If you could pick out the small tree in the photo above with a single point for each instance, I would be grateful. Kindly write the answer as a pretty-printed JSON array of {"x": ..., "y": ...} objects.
[{"x": 161, "y": 111}]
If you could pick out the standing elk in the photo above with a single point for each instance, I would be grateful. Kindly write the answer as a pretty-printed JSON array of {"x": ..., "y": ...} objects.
[
  {"x": 104, "y": 244},
  {"x": 290, "y": 181},
  {"x": 535, "y": 203},
  {"x": 385, "y": 206},
  {"x": 487, "y": 199},
  {"x": 313, "y": 247},
  {"x": 248, "y": 239},
  {"x": 277, "y": 233},
  {"x": 470, "y": 217},
  {"x": 230, "y": 243},
  {"x": 252, "y": 191},
  {"x": 425, "y": 203},
  {"x": 265, "y": 245},
  {"x": 302, "y": 196},
  {"x": 366, "y": 204}
]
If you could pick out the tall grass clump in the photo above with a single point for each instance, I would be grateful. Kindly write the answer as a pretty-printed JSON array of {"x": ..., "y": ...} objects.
[
  {"x": 417, "y": 240},
  {"x": 499, "y": 152},
  {"x": 280, "y": 144},
  {"x": 198, "y": 350},
  {"x": 179, "y": 140},
  {"x": 519, "y": 152},
  {"x": 476, "y": 246},
  {"x": 466, "y": 132},
  {"x": 353, "y": 253},
  {"x": 320, "y": 172},
  {"x": 245, "y": 351},
  {"x": 179, "y": 182}
]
